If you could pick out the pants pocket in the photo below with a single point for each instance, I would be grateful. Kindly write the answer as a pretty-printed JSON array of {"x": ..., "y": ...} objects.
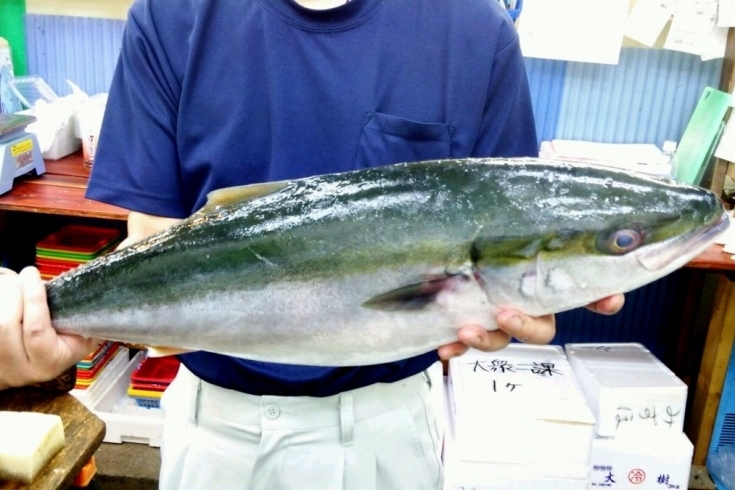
[{"x": 406, "y": 450}]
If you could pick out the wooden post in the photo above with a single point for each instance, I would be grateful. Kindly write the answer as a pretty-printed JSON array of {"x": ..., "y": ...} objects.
[{"x": 712, "y": 371}]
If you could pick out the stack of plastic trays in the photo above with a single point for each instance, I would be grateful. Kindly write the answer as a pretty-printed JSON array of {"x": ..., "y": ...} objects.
[
  {"x": 150, "y": 380},
  {"x": 72, "y": 246},
  {"x": 89, "y": 368}
]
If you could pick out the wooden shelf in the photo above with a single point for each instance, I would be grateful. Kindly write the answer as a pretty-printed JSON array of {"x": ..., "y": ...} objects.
[
  {"x": 59, "y": 191},
  {"x": 714, "y": 259}
]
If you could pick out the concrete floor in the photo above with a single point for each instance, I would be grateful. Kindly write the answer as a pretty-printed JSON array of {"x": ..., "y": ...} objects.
[{"x": 127, "y": 466}]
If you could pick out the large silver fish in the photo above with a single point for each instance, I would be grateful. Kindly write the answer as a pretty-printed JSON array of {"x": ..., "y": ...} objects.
[{"x": 385, "y": 263}]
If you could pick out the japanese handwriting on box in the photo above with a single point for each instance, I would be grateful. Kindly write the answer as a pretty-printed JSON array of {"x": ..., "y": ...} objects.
[
  {"x": 663, "y": 479},
  {"x": 653, "y": 414},
  {"x": 504, "y": 376}
]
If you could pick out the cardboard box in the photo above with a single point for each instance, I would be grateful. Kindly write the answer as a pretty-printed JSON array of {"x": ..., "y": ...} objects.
[
  {"x": 628, "y": 388},
  {"x": 641, "y": 462},
  {"x": 520, "y": 406}
]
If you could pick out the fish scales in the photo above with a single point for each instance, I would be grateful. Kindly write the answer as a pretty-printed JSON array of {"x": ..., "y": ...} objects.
[{"x": 385, "y": 263}]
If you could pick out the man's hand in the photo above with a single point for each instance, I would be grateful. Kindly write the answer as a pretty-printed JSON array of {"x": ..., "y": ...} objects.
[
  {"x": 512, "y": 323},
  {"x": 31, "y": 351}
]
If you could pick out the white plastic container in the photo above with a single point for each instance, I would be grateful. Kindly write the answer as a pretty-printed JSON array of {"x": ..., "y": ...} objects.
[
  {"x": 91, "y": 396},
  {"x": 89, "y": 116},
  {"x": 628, "y": 388},
  {"x": 125, "y": 420},
  {"x": 64, "y": 143}
]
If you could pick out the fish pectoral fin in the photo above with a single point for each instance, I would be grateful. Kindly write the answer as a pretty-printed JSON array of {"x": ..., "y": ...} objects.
[
  {"x": 166, "y": 351},
  {"x": 414, "y": 297},
  {"x": 229, "y": 195}
]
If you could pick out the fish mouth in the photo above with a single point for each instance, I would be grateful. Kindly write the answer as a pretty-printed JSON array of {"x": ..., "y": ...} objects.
[{"x": 681, "y": 250}]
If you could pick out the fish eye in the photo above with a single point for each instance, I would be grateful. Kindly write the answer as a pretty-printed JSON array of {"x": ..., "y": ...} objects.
[{"x": 621, "y": 241}]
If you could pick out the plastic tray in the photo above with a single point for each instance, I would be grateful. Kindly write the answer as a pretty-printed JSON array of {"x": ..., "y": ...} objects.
[
  {"x": 89, "y": 374},
  {"x": 77, "y": 241},
  {"x": 156, "y": 371},
  {"x": 94, "y": 357},
  {"x": 145, "y": 398},
  {"x": 147, "y": 402},
  {"x": 32, "y": 88}
]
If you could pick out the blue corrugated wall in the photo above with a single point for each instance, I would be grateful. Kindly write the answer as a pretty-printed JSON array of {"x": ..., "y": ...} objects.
[
  {"x": 82, "y": 50},
  {"x": 647, "y": 98}
]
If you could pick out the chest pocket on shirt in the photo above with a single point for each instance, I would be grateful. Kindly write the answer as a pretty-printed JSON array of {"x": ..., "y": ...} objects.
[{"x": 387, "y": 139}]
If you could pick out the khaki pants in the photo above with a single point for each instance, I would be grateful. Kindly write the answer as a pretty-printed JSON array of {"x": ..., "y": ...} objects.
[{"x": 382, "y": 436}]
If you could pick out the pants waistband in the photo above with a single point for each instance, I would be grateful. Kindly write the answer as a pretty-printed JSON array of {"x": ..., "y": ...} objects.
[{"x": 208, "y": 400}]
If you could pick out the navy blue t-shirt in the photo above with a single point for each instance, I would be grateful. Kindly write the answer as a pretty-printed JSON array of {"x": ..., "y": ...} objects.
[{"x": 216, "y": 93}]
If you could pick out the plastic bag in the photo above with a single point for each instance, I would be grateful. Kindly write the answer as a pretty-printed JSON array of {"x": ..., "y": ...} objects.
[{"x": 721, "y": 466}]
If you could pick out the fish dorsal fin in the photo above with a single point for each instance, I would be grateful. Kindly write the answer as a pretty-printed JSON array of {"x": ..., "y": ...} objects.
[{"x": 229, "y": 195}]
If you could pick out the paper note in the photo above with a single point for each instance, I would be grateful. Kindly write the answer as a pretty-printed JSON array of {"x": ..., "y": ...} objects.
[
  {"x": 691, "y": 26},
  {"x": 573, "y": 30},
  {"x": 647, "y": 20},
  {"x": 713, "y": 46},
  {"x": 726, "y": 13}
]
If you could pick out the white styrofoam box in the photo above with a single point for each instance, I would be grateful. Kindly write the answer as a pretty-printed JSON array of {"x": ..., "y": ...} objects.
[
  {"x": 110, "y": 372},
  {"x": 641, "y": 461},
  {"x": 477, "y": 475},
  {"x": 125, "y": 420},
  {"x": 64, "y": 141},
  {"x": 520, "y": 405},
  {"x": 628, "y": 388}
]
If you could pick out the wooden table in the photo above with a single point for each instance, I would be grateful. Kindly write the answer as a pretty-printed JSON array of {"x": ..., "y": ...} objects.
[
  {"x": 83, "y": 432},
  {"x": 59, "y": 191}
]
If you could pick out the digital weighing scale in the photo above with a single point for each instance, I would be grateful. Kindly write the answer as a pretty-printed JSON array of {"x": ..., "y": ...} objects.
[{"x": 19, "y": 150}]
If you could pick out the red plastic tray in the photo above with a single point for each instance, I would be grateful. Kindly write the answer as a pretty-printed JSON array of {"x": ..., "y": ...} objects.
[
  {"x": 83, "y": 239},
  {"x": 69, "y": 264},
  {"x": 156, "y": 371}
]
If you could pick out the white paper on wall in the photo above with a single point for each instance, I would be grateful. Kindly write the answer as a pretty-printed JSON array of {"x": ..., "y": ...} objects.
[{"x": 573, "y": 30}]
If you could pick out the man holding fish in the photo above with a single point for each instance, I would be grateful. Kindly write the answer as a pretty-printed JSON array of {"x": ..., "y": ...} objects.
[{"x": 209, "y": 95}]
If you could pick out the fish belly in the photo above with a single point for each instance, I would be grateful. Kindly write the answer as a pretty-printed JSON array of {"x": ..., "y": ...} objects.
[{"x": 321, "y": 323}]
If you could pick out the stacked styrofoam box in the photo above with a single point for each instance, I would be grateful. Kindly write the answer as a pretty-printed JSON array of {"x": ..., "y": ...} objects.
[
  {"x": 517, "y": 419},
  {"x": 639, "y": 407}
]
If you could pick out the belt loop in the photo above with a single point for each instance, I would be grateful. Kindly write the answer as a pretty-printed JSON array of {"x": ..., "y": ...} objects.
[
  {"x": 346, "y": 420},
  {"x": 195, "y": 402}
]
